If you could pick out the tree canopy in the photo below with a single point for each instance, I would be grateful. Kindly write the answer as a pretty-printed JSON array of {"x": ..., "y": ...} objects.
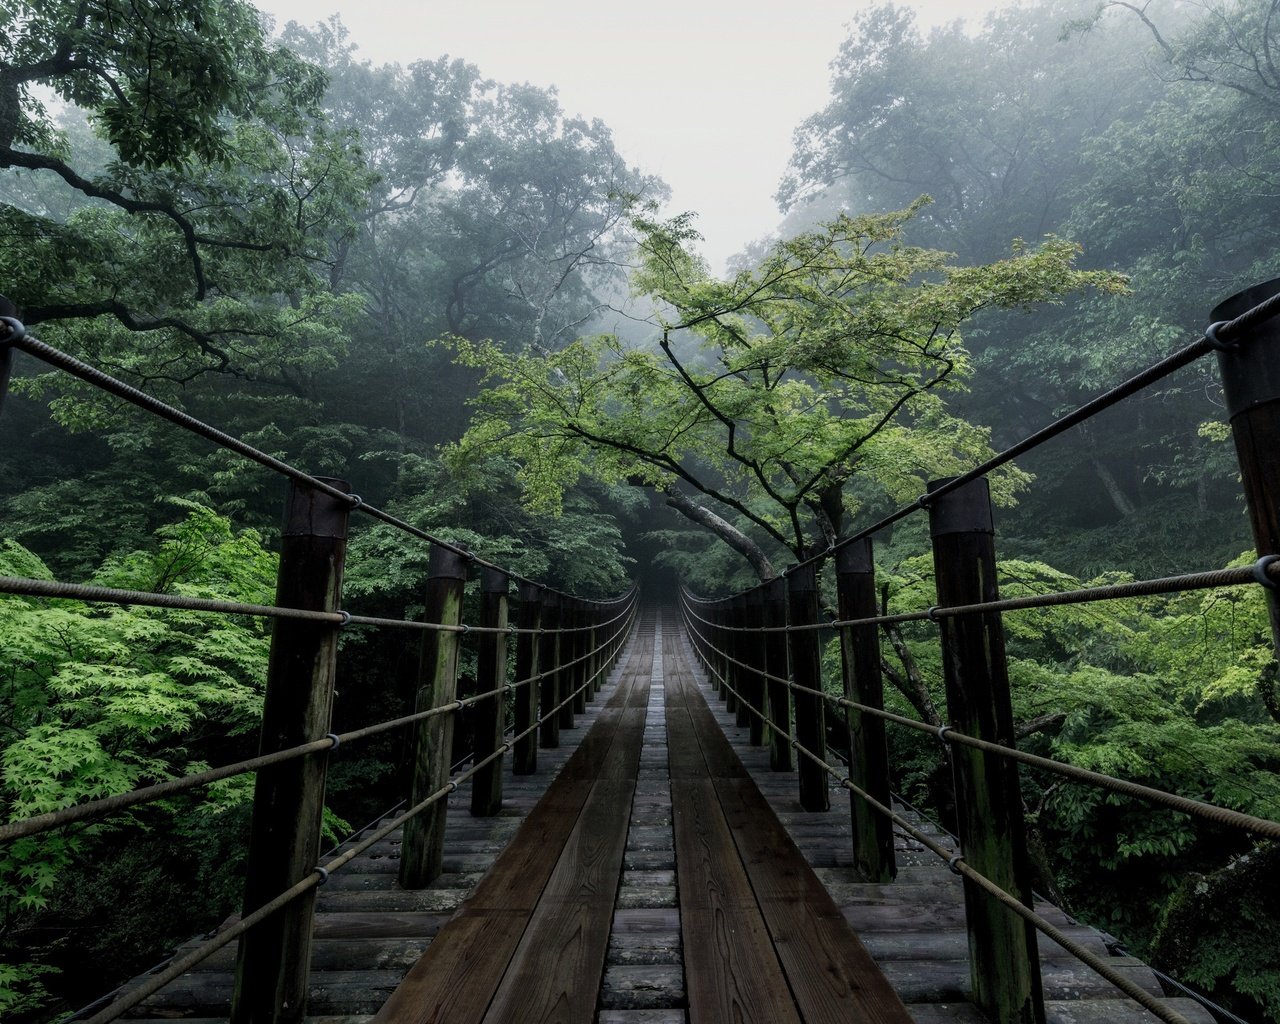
[{"x": 823, "y": 367}]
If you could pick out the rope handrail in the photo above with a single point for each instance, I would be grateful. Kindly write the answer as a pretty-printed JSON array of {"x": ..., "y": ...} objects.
[
  {"x": 1210, "y": 812},
  {"x": 1265, "y": 571},
  {"x": 107, "y": 805},
  {"x": 956, "y": 862},
  {"x": 17, "y": 336},
  {"x": 317, "y": 877},
  {"x": 56, "y": 589}
]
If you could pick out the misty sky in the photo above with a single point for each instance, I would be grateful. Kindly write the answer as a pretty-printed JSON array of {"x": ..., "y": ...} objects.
[{"x": 705, "y": 93}]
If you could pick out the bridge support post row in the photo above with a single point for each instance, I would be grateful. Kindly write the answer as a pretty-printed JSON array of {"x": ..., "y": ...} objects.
[
  {"x": 731, "y": 617},
  {"x": 873, "y": 857},
  {"x": 422, "y": 851},
  {"x": 582, "y": 650},
  {"x": 549, "y": 686},
  {"x": 753, "y": 655},
  {"x": 806, "y": 670},
  {"x": 1004, "y": 963},
  {"x": 1250, "y": 370},
  {"x": 274, "y": 959},
  {"x": 777, "y": 695},
  {"x": 490, "y": 713},
  {"x": 524, "y": 759}
]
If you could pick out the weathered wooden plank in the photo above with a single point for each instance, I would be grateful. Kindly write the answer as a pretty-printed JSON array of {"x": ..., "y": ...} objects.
[
  {"x": 390, "y": 925},
  {"x": 731, "y": 972},
  {"x": 831, "y": 974},
  {"x": 940, "y": 981},
  {"x": 658, "y": 986}
]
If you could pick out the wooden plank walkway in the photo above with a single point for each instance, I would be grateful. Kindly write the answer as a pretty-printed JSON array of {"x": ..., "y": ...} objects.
[
  {"x": 658, "y": 873},
  {"x": 914, "y": 927}
]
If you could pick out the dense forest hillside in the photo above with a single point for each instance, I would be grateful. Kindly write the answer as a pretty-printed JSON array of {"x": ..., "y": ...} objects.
[{"x": 459, "y": 297}]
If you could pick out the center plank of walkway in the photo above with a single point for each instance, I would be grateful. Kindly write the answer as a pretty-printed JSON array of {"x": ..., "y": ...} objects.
[
  {"x": 529, "y": 945},
  {"x": 763, "y": 939}
]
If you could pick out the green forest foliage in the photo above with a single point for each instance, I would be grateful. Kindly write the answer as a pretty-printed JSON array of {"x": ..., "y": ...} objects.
[{"x": 296, "y": 244}]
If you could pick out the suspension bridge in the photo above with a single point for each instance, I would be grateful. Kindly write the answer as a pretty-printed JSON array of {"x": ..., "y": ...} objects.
[{"x": 653, "y": 825}]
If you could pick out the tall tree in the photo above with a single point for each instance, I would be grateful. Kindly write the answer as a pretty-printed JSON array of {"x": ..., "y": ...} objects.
[{"x": 825, "y": 365}]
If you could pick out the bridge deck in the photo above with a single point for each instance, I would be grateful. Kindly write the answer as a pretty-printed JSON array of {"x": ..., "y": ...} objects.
[{"x": 578, "y": 917}]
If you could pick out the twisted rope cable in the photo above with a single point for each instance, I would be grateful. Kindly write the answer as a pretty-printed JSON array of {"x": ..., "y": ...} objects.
[
  {"x": 1235, "y": 577},
  {"x": 121, "y": 801},
  {"x": 1197, "y": 808}
]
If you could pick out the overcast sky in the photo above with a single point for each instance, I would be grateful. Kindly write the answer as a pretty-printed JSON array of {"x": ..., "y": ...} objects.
[{"x": 705, "y": 93}]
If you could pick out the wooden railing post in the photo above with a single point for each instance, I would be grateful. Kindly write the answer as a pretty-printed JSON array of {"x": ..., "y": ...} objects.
[
  {"x": 1002, "y": 947},
  {"x": 581, "y": 647},
  {"x": 1251, "y": 382},
  {"x": 548, "y": 665},
  {"x": 489, "y": 715},
  {"x": 744, "y": 651},
  {"x": 729, "y": 644},
  {"x": 711, "y": 612},
  {"x": 806, "y": 670},
  {"x": 873, "y": 857},
  {"x": 753, "y": 654},
  {"x": 596, "y": 615},
  {"x": 565, "y": 674},
  {"x": 274, "y": 958},
  {"x": 422, "y": 851},
  {"x": 7, "y": 308},
  {"x": 778, "y": 696},
  {"x": 524, "y": 757}
]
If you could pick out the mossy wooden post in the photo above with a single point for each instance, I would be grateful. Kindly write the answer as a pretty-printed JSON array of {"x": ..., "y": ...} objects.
[
  {"x": 806, "y": 670},
  {"x": 524, "y": 757},
  {"x": 595, "y": 615},
  {"x": 777, "y": 694},
  {"x": 422, "y": 852},
  {"x": 548, "y": 664},
  {"x": 1004, "y": 965},
  {"x": 729, "y": 644},
  {"x": 274, "y": 958},
  {"x": 1251, "y": 381},
  {"x": 7, "y": 308},
  {"x": 753, "y": 654},
  {"x": 490, "y": 714},
  {"x": 711, "y": 637},
  {"x": 873, "y": 858},
  {"x": 566, "y": 681},
  {"x": 581, "y": 649}
]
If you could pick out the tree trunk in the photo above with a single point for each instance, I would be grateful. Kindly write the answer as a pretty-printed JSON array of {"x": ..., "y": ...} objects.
[
  {"x": 726, "y": 531},
  {"x": 1114, "y": 491}
]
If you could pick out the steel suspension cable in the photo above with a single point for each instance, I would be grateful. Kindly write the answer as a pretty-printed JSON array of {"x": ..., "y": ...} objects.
[
  {"x": 1265, "y": 571},
  {"x": 122, "y": 801},
  {"x": 17, "y": 336},
  {"x": 1224, "y": 332},
  {"x": 55, "y": 589},
  {"x": 1197, "y": 808}
]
